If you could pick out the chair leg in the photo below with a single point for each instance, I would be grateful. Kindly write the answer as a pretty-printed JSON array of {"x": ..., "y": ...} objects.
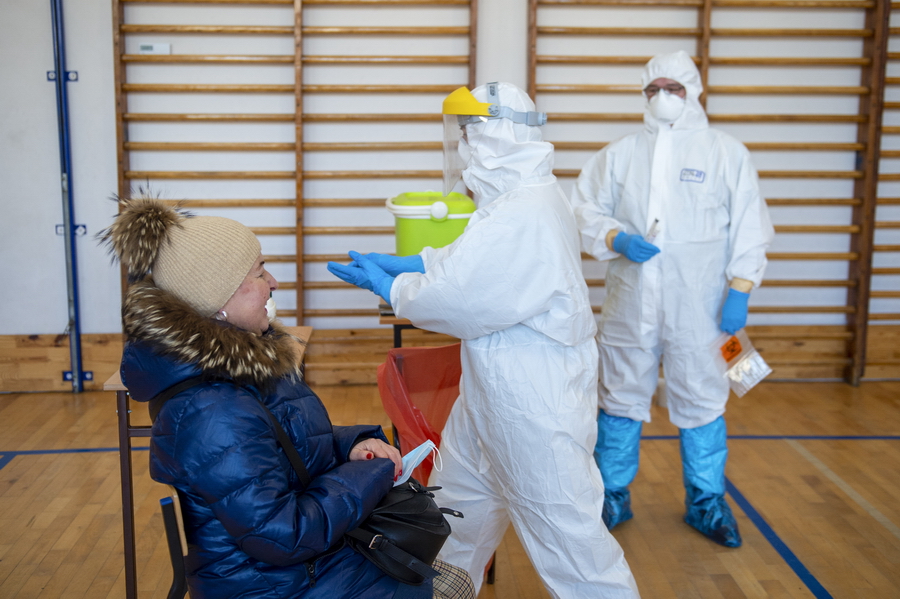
[{"x": 179, "y": 583}]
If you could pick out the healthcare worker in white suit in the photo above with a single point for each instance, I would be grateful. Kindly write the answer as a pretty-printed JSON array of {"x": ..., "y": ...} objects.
[
  {"x": 694, "y": 191},
  {"x": 518, "y": 445}
]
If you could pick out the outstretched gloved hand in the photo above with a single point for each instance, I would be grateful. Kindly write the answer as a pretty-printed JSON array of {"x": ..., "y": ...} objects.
[
  {"x": 634, "y": 247},
  {"x": 734, "y": 312},
  {"x": 364, "y": 273},
  {"x": 394, "y": 265}
]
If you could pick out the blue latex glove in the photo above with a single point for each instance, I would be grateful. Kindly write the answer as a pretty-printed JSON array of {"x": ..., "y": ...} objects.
[
  {"x": 394, "y": 265},
  {"x": 364, "y": 273},
  {"x": 634, "y": 247},
  {"x": 734, "y": 312}
]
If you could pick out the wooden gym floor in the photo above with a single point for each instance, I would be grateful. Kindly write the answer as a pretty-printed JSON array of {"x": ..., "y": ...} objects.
[{"x": 814, "y": 480}]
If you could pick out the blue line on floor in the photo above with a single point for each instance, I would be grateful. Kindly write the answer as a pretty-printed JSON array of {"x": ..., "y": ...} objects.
[
  {"x": 792, "y": 560},
  {"x": 7, "y": 456}
]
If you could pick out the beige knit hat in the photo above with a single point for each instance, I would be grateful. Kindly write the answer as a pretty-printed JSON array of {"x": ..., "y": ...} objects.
[{"x": 201, "y": 260}]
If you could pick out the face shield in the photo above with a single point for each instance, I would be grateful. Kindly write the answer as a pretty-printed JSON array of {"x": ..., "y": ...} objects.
[
  {"x": 457, "y": 148},
  {"x": 462, "y": 113}
]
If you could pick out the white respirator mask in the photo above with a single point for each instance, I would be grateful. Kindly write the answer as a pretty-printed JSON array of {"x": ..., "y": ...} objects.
[
  {"x": 666, "y": 107},
  {"x": 270, "y": 309}
]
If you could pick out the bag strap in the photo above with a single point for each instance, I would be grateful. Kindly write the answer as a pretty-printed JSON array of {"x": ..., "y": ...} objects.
[
  {"x": 165, "y": 395},
  {"x": 288, "y": 447},
  {"x": 387, "y": 547},
  {"x": 281, "y": 435}
]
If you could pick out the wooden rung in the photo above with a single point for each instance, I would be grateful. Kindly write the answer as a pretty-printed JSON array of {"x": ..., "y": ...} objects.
[
  {"x": 322, "y": 285},
  {"x": 803, "y": 309},
  {"x": 209, "y": 146},
  {"x": 206, "y": 88},
  {"x": 817, "y": 228},
  {"x": 390, "y": 31},
  {"x": 621, "y": 2},
  {"x": 286, "y": 285},
  {"x": 890, "y": 153},
  {"x": 344, "y": 312},
  {"x": 372, "y": 146},
  {"x": 388, "y": 60},
  {"x": 387, "y": 2},
  {"x": 378, "y": 89},
  {"x": 798, "y": 332},
  {"x": 889, "y": 176},
  {"x": 787, "y": 118},
  {"x": 208, "y": 29},
  {"x": 210, "y": 118},
  {"x": 886, "y": 271},
  {"x": 343, "y": 202},
  {"x": 891, "y": 105},
  {"x": 326, "y": 258},
  {"x": 546, "y": 59},
  {"x": 827, "y": 4},
  {"x": 618, "y": 31},
  {"x": 274, "y": 230},
  {"x": 210, "y": 1},
  {"x": 885, "y": 294},
  {"x": 721, "y": 118},
  {"x": 807, "y": 283},
  {"x": 348, "y": 230},
  {"x": 813, "y": 201},
  {"x": 887, "y": 224},
  {"x": 208, "y": 59},
  {"x": 837, "y": 256},
  {"x": 564, "y": 117},
  {"x": 762, "y": 174},
  {"x": 811, "y": 146},
  {"x": 209, "y": 175},
  {"x": 810, "y": 174},
  {"x": 233, "y": 203},
  {"x": 579, "y": 145},
  {"x": 889, "y": 201},
  {"x": 788, "y": 61},
  {"x": 279, "y": 258},
  {"x": 884, "y": 316},
  {"x": 886, "y": 248},
  {"x": 815, "y": 90},
  {"x": 791, "y": 32},
  {"x": 890, "y": 130},
  {"x": 373, "y": 174},
  {"x": 595, "y": 282},
  {"x": 587, "y": 89},
  {"x": 365, "y": 118}
]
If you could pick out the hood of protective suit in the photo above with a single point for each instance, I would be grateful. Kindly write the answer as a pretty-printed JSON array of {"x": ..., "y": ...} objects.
[
  {"x": 505, "y": 155},
  {"x": 679, "y": 67}
]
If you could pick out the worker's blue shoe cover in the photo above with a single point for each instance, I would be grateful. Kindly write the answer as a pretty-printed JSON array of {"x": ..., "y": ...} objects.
[
  {"x": 616, "y": 453},
  {"x": 616, "y": 507},
  {"x": 704, "y": 451}
]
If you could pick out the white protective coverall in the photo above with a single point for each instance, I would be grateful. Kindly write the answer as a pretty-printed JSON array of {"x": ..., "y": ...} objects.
[
  {"x": 714, "y": 226},
  {"x": 518, "y": 443}
]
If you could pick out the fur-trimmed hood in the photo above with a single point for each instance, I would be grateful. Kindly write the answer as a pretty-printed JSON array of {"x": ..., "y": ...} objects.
[{"x": 174, "y": 331}]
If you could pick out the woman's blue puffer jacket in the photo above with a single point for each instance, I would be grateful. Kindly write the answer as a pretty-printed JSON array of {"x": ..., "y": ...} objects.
[{"x": 253, "y": 531}]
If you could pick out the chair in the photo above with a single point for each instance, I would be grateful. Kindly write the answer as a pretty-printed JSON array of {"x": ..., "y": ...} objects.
[
  {"x": 174, "y": 525},
  {"x": 418, "y": 387}
]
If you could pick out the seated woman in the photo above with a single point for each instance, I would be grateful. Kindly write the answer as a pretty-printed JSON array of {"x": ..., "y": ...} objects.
[{"x": 197, "y": 308}]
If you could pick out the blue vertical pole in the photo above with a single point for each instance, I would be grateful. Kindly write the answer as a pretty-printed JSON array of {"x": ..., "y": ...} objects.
[{"x": 65, "y": 167}]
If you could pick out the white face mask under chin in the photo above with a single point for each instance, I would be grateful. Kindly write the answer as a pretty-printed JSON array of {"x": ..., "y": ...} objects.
[{"x": 666, "y": 107}]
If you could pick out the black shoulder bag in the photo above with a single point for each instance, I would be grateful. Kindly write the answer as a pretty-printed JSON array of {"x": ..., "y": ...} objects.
[{"x": 402, "y": 535}]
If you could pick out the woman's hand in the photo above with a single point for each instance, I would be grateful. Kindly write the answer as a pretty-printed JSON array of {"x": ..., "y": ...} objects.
[{"x": 375, "y": 448}]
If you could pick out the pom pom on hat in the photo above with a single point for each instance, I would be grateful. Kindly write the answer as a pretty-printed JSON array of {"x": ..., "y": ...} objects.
[{"x": 201, "y": 260}]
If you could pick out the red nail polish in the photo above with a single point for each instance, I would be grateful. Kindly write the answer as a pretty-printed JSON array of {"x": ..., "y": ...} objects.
[{"x": 369, "y": 456}]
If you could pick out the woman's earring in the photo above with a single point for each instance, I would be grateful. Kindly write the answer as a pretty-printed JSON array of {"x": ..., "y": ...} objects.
[{"x": 222, "y": 315}]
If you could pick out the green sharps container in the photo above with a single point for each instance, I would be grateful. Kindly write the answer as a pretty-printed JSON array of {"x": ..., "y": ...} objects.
[{"x": 428, "y": 219}]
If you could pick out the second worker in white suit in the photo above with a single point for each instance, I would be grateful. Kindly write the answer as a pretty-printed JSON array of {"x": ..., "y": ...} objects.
[
  {"x": 694, "y": 188},
  {"x": 518, "y": 443}
]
